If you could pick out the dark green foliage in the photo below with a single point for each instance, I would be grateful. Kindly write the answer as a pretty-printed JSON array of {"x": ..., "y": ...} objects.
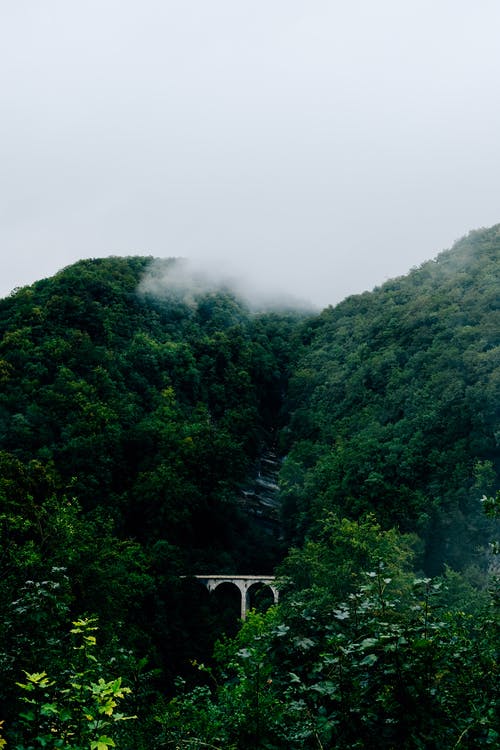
[
  {"x": 392, "y": 665},
  {"x": 127, "y": 423},
  {"x": 76, "y": 710},
  {"x": 130, "y": 422},
  {"x": 148, "y": 407},
  {"x": 394, "y": 404}
]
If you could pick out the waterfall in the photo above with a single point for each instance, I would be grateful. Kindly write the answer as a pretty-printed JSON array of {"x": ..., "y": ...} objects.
[{"x": 260, "y": 495}]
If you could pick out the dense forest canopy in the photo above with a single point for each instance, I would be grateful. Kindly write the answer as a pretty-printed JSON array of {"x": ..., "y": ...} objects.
[
  {"x": 131, "y": 418},
  {"x": 394, "y": 406}
]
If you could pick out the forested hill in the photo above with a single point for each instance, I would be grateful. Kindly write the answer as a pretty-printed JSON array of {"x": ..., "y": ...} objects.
[
  {"x": 152, "y": 408},
  {"x": 395, "y": 404},
  {"x": 130, "y": 423}
]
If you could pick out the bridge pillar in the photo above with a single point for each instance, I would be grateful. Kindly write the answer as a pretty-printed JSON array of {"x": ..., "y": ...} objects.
[{"x": 245, "y": 602}]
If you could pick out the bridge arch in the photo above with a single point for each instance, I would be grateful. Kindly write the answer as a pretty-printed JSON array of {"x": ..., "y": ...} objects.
[{"x": 243, "y": 584}]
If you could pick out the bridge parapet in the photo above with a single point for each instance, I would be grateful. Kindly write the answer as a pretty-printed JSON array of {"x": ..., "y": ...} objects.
[{"x": 242, "y": 583}]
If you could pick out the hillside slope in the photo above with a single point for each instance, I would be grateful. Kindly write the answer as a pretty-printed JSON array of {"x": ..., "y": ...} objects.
[
  {"x": 395, "y": 404},
  {"x": 153, "y": 408},
  {"x": 128, "y": 423}
]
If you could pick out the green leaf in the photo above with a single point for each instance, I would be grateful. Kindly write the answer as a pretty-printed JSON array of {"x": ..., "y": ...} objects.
[
  {"x": 102, "y": 743},
  {"x": 49, "y": 709},
  {"x": 341, "y": 614},
  {"x": 368, "y": 643},
  {"x": 27, "y": 715},
  {"x": 304, "y": 643}
]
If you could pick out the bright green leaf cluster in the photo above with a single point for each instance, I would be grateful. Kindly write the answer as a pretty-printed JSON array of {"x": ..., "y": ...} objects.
[{"x": 72, "y": 712}]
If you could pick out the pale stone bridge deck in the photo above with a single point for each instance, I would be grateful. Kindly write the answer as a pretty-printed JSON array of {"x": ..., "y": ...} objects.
[{"x": 242, "y": 583}]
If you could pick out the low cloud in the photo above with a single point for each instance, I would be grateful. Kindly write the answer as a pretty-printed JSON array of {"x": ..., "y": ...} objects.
[{"x": 187, "y": 280}]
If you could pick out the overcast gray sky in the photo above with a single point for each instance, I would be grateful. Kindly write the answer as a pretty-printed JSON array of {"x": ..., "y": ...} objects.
[{"x": 316, "y": 146}]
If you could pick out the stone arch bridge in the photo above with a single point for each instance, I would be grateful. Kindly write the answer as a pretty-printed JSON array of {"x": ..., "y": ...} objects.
[{"x": 243, "y": 584}]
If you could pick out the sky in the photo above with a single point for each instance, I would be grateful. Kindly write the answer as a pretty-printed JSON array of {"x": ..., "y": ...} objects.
[{"x": 313, "y": 147}]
